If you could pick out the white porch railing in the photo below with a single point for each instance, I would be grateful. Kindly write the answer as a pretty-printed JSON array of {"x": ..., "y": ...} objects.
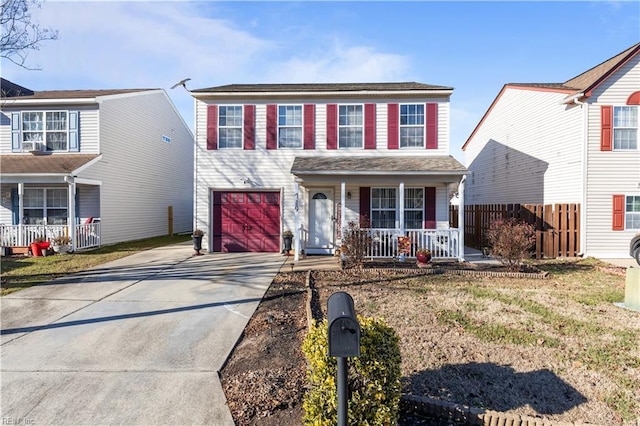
[
  {"x": 87, "y": 235},
  {"x": 443, "y": 243}
]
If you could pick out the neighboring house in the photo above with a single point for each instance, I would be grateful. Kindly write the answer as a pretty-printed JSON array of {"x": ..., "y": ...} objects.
[
  {"x": 312, "y": 158},
  {"x": 571, "y": 142},
  {"x": 100, "y": 166}
]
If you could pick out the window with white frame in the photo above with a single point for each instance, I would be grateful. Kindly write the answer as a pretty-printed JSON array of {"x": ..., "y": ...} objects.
[
  {"x": 350, "y": 126},
  {"x": 632, "y": 212},
  {"x": 411, "y": 126},
  {"x": 290, "y": 126},
  {"x": 45, "y": 206},
  {"x": 48, "y": 129},
  {"x": 625, "y": 128},
  {"x": 413, "y": 208},
  {"x": 230, "y": 127}
]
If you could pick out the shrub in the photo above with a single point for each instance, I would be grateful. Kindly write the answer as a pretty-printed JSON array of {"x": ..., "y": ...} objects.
[
  {"x": 373, "y": 377},
  {"x": 511, "y": 241},
  {"x": 356, "y": 243}
]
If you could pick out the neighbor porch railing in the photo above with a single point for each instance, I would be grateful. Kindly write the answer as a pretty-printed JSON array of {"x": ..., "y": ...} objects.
[
  {"x": 443, "y": 243},
  {"x": 87, "y": 235}
]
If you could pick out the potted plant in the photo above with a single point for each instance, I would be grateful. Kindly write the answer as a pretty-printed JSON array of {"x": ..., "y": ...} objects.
[
  {"x": 60, "y": 244},
  {"x": 197, "y": 241},
  {"x": 404, "y": 247},
  {"x": 423, "y": 255},
  {"x": 39, "y": 247},
  {"x": 287, "y": 240}
]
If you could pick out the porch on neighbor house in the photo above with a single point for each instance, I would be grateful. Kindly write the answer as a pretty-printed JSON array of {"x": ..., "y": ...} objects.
[{"x": 387, "y": 197}]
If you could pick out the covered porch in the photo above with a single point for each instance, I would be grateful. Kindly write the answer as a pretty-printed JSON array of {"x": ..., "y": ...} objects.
[{"x": 385, "y": 197}]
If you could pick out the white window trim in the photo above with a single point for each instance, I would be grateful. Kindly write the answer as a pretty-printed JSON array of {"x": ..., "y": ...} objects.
[
  {"x": 241, "y": 127},
  {"x": 414, "y": 209},
  {"x": 351, "y": 126},
  {"x": 42, "y": 143},
  {"x": 407, "y": 126},
  {"x": 614, "y": 128},
  {"x": 301, "y": 126},
  {"x": 630, "y": 213}
]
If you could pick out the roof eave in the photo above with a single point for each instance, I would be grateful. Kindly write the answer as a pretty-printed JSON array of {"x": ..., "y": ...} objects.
[{"x": 323, "y": 94}]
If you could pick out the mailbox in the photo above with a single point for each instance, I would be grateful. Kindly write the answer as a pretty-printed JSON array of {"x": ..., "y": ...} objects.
[{"x": 344, "y": 329}]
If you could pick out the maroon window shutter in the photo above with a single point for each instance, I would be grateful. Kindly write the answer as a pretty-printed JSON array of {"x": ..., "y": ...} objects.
[
  {"x": 369, "y": 126},
  {"x": 429, "y": 207},
  {"x": 392, "y": 126},
  {"x": 212, "y": 127},
  {"x": 309, "y": 126},
  {"x": 618, "y": 212},
  {"x": 249, "y": 127},
  {"x": 432, "y": 126},
  {"x": 332, "y": 126},
  {"x": 606, "y": 117},
  {"x": 365, "y": 207},
  {"x": 272, "y": 126}
]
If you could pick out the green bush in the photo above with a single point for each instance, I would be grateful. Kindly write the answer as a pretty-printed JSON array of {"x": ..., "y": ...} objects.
[{"x": 373, "y": 377}]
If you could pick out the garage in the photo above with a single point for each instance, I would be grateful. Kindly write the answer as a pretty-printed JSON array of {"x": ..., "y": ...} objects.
[{"x": 246, "y": 221}]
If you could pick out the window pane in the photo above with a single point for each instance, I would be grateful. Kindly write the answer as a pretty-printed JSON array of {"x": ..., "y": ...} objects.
[
  {"x": 632, "y": 209},
  {"x": 32, "y": 121},
  {"x": 230, "y": 116},
  {"x": 33, "y": 197},
  {"x": 57, "y": 141},
  {"x": 57, "y": 120},
  {"x": 290, "y": 137},
  {"x": 626, "y": 116},
  {"x": 33, "y": 217},
  {"x": 230, "y": 138},
  {"x": 625, "y": 139},
  {"x": 57, "y": 197},
  {"x": 350, "y": 137},
  {"x": 383, "y": 219},
  {"x": 413, "y": 219}
]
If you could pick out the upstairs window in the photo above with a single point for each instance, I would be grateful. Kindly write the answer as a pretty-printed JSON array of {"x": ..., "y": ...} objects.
[
  {"x": 625, "y": 128},
  {"x": 45, "y": 131},
  {"x": 230, "y": 127},
  {"x": 290, "y": 126},
  {"x": 350, "y": 126},
  {"x": 412, "y": 126}
]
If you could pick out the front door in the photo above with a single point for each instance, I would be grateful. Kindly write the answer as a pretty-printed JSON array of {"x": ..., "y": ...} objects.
[{"x": 320, "y": 222}]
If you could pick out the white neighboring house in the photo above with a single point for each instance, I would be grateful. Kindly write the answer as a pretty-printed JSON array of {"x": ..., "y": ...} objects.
[
  {"x": 310, "y": 158},
  {"x": 571, "y": 142},
  {"x": 100, "y": 166}
]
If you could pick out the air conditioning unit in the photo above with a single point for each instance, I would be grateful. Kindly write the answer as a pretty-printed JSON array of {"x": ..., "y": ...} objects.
[{"x": 32, "y": 146}]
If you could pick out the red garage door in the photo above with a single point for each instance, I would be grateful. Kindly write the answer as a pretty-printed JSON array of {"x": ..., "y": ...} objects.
[{"x": 246, "y": 221}]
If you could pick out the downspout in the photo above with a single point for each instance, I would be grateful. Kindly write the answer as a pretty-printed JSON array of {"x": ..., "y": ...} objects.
[
  {"x": 585, "y": 152},
  {"x": 296, "y": 218},
  {"x": 343, "y": 210},
  {"x": 72, "y": 210},
  {"x": 21, "y": 241}
]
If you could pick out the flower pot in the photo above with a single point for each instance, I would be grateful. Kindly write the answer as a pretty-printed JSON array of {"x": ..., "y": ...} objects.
[
  {"x": 197, "y": 243},
  {"x": 288, "y": 242},
  {"x": 423, "y": 257},
  {"x": 35, "y": 250}
]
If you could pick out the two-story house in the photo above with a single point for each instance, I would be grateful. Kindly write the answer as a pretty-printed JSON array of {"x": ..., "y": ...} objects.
[
  {"x": 311, "y": 158},
  {"x": 99, "y": 166},
  {"x": 571, "y": 142}
]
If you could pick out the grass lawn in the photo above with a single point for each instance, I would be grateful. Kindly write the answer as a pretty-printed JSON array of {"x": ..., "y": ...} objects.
[{"x": 22, "y": 272}]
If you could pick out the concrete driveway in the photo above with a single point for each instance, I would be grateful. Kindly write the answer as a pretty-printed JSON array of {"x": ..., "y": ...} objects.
[{"x": 136, "y": 341}]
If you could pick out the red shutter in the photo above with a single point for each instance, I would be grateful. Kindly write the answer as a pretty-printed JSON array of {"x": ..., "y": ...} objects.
[
  {"x": 272, "y": 127},
  {"x": 430, "y": 207},
  {"x": 365, "y": 207},
  {"x": 618, "y": 212},
  {"x": 432, "y": 126},
  {"x": 392, "y": 126},
  {"x": 606, "y": 117},
  {"x": 249, "y": 127},
  {"x": 370, "y": 126},
  {"x": 309, "y": 126},
  {"x": 332, "y": 126},
  {"x": 212, "y": 127}
]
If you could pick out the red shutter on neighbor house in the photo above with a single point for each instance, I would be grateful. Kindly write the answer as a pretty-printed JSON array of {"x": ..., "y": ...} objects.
[
  {"x": 332, "y": 126},
  {"x": 272, "y": 126},
  {"x": 606, "y": 118},
  {"x": 249, "y": 127},
  {"x": 618, "y": 213},
  {"x": 212, "y": 127},
  {"x": 392, "y": 126},
  {"x": 429, "y": 207},
  {"x": 309, "y": 126},
  {"x": 369, "y": 126},
  {"x": 432, "y": 126},
  {"x": 365, "y": 207}
]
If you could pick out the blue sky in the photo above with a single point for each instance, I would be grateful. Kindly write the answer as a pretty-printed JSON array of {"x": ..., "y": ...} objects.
[{"x": 475, "y": 47}]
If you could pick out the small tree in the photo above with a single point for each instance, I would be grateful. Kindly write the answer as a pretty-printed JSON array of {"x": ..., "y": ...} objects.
[
  {"x": 511, "y": 241},
  {"x": 356, "y": 243}
]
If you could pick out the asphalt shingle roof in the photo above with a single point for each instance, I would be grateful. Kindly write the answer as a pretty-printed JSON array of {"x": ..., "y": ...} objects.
[
  {"x": 9, "y": 89},
  {"x": 377, "y": 165},
  {"x": 43, "y": 164},
  {"x": 322, "y": 87}
]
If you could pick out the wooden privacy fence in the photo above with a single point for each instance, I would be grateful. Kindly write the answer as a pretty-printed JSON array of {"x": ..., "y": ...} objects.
[{"x": 557, "y": 226}]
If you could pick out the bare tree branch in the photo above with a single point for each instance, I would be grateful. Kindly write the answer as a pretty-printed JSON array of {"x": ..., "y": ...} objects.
[{"x": 19, "y": 34}]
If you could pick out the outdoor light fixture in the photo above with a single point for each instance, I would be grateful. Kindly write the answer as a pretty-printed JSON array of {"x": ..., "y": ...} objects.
[{"x": 349, "y": 195}]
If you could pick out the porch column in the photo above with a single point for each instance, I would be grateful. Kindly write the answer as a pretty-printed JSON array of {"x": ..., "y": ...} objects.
[
  {"x": 461, "y": 219},
  {"x": 21, "y": 241},
  {"x": 296, "y": 223},
  {"x": 71, "y": 212},
  {"x": 343, "y": 210},
  {"x": 401, "y": 207}
]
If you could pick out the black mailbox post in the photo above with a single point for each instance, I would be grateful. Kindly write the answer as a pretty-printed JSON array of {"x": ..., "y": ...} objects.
[{"x": 344, "y": 341}]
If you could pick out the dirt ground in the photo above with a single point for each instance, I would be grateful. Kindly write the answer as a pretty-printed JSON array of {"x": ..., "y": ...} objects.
[{"x": 442, "y": 358}]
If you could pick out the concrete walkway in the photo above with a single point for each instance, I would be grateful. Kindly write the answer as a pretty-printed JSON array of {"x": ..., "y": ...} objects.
[{"x": 136, "y": 341}]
